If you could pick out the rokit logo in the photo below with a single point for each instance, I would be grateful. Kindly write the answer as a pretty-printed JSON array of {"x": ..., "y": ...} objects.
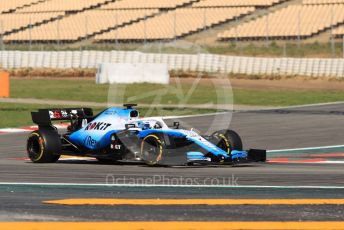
[
  {"x": 89, "y": 141},
  {"x": 97, "y": 126}
]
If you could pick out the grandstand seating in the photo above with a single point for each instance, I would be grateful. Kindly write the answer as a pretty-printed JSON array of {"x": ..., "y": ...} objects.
[
  {"x": 320, "y": 2},
  {"x": 138, "y": 20},
  {"x": 226, "y": 3},
  {"x": 80, "y": 25},
  {"x": 11, "y": 5},
  {"x": 175, "y": 23},
  {"x": 290, "y": 22},
  {"x": 339, "y": 32},
  {"x": 14, "y": 22},
  {"x": 63, "y": 5},
  {"x": 146, "y": 4}
]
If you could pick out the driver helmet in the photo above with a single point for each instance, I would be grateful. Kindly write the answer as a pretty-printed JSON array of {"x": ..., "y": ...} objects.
[{"x": 143, "y": 125}]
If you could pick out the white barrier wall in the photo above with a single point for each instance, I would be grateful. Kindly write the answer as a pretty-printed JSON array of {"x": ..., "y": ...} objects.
[
  {"x": 132, "y": 73},
  {"x": 202, "y": 62}
]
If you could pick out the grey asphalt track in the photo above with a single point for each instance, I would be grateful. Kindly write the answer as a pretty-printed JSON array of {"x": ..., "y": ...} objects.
[{"x": 270, "y": 129}]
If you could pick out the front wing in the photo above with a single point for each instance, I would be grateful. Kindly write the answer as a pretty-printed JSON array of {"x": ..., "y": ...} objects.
[{"x": 175, "y": 157}]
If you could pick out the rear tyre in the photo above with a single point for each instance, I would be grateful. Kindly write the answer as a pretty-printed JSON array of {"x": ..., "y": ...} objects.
[
  {"x": 44, "y": 146},
  {"x": 152, "y": 149},
  {"x": 227, "y": 140}
]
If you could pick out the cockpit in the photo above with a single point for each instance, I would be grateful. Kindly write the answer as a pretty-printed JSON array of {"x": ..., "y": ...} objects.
[{"x": 145, "y": 124}]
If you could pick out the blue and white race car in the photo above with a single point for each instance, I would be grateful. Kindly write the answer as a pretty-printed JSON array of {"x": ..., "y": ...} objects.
[{"x": 119, "y": 134}]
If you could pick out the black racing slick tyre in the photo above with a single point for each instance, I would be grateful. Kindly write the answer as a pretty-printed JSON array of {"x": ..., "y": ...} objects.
[
  {"x": 44, "y": 146},
  {"x": 227, "y": 140},
  {"x": 152, "y": 149}
]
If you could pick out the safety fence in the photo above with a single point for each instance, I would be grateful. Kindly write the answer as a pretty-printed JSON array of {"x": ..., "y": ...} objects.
[{"x": 186, "y": 62}]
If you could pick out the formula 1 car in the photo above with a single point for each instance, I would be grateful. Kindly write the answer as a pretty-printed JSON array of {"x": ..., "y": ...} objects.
[{"x": 118, "y": 134}]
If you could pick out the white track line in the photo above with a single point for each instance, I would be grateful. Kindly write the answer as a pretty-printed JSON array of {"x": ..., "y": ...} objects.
[
  {"x": 330, "y": 162},
  {"x": 299, "y": 106},
  {"x": 307, "y": 148},
  {"x": 200, "y": 115},
  {"x": 301, "y": 162},
  {"x": 172, "y": 186},
  {"x": 313, "y": 105}
]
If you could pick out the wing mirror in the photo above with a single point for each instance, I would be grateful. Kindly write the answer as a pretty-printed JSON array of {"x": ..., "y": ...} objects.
[
  {"x": 129, "y": 126},
  {"x": 176, "y": 125}
]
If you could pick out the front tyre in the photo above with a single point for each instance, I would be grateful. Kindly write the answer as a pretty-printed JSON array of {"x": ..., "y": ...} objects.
[
  {"x": 152, "y": 149},
  {"x": 227, "y": 140},
  {"x": 44, "y": 146}
]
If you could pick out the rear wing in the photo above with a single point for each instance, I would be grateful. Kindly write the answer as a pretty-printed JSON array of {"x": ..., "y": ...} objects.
[{"x": 44, "y": 117}]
